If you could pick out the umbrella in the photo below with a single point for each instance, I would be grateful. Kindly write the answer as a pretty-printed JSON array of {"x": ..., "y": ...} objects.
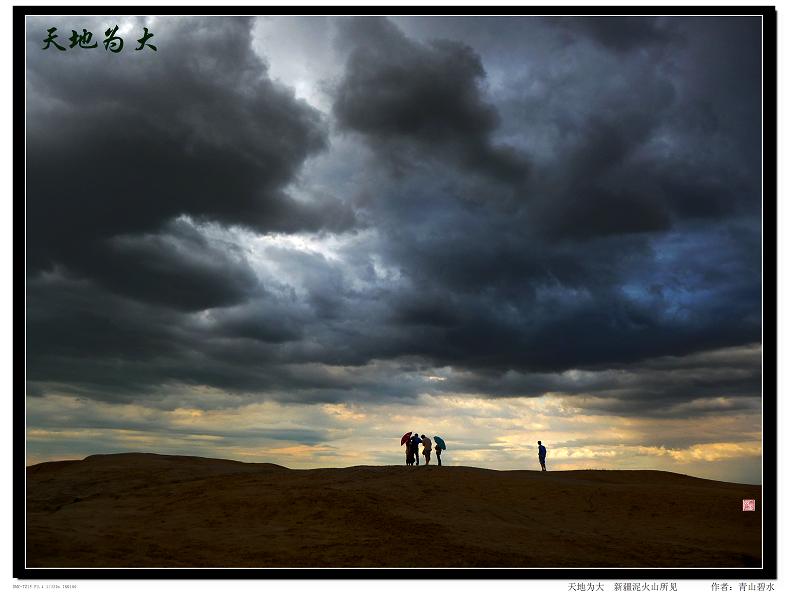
[
  {"x": 406, "y": 436},
  {"x": 440, "y": 442}
]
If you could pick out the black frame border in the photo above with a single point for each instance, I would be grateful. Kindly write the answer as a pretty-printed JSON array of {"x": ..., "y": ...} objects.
[{"x": 769, "y": 309}]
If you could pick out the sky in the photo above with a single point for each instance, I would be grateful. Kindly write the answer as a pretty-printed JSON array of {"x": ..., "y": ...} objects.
[{"x": 293, "y": 239}]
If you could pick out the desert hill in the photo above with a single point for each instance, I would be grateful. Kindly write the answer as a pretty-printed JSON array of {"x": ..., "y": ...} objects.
[{"x": 146, "y": 510}]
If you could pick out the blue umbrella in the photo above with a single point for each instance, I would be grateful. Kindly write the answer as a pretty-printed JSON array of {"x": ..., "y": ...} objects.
[{"x": 440, "y": 442}]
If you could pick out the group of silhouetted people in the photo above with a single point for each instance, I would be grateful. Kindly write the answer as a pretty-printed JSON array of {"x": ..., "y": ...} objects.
[{"x": 412, "y": 449}]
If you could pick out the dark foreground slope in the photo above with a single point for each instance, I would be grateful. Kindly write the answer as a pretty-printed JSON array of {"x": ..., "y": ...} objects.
[{"x": 142, "y": 510}]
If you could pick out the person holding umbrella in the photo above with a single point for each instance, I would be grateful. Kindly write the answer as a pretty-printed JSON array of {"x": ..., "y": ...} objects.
[
  {"x": 440, "y": 446},
  {"x": 409, "y": 454}
]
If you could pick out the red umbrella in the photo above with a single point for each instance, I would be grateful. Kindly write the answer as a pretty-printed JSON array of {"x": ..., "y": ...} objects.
[{"x": 406, "y": 436}]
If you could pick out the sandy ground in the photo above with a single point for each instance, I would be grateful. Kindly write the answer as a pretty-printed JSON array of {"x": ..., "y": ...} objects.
[{"x": 144, "y": 510}]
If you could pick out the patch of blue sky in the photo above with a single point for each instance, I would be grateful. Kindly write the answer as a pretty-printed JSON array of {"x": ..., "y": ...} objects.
[{"x": 695, "y": 273}]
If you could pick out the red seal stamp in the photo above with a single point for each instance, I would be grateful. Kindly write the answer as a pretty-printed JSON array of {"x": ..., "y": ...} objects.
[{"x": 748, "y": 504}]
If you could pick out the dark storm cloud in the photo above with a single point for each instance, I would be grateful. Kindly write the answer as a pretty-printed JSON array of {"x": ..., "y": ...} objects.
[
  {"x": 260, "y": 321},
  {"x": 546, "y": 285},
  {"x": 673, "y": 386},
  {"x": 620, "y": 33},
  {"x": 120, "y": 145},
  {"x": 614, "y": 267},
  {"x": 593, "y": 198},
  {"x": 127, "y": 351},
  {"x": 86, "y": 340},
  {"x": 177, "y": 266},
  {"x": 405, "y": 96}
]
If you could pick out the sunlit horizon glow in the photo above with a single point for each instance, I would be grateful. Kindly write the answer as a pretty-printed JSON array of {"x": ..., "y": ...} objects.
[{"x": 492, "y": 434}]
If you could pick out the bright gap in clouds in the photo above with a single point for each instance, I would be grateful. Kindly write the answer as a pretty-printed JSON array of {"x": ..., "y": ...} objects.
[{"x": 302, "y": 57}]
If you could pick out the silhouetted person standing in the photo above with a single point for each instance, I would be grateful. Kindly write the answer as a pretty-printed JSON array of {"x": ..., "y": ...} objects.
[
  {"x": 438, "y": 453},
  {"x": 428, "y": 446},
  {"x": 415, "y": 442},
  {"x": 541, "y": 451},
  {"x": 409, "y": 453}
]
